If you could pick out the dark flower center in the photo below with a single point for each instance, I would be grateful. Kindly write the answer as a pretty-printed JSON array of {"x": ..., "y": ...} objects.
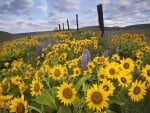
[
  {"x": 138, "y": 63},
  {"x": 148, "y": 73},
  {"x": 36, "y": 87},
  {"x": 77, "y": 72},
  {"x": 112, "y": 71},
  {"x": 57, "y": 73},
  {"x": 137, "y": 90},
  {"x": 101, "y": 59},
  {"x": 96, "y": 97},
  {"x": 102, "y": 76},
  {"x": 20, "y": 108},
  {"x": 106, "y": 88},
  {"x": 67, "y": 93},
  {"x": 123, "y": 79},
  {"x": 126, "y": 65}
]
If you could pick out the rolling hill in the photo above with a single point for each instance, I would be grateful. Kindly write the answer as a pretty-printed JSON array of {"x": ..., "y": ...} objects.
[{"x": 141, "y": 28}]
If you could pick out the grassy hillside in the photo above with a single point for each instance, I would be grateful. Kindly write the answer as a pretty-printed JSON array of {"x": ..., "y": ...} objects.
[
  {"x": 141, "y": 28},
  {"x": 109, "y": 31},
  {"x": 5, "y": 36}
]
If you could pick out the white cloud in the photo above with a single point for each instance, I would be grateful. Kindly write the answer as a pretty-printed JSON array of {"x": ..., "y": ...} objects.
[
  {"x": 22, "y": 25},
  {"x": 16, "y": 7},
  {"x": 66, "y": 5},
  {"x": 61, "y": 10},
  {"x": 43, "y": 7}
]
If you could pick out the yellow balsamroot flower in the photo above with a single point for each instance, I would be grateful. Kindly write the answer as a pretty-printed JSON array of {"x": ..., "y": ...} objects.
[
  {"x": 22, "y": 88},
  {"x": 87, "y": 72},
  {"x": 16, "y": 80},
  {"x": 5, "y": 100},
  {"x": 66, "y": 93},
  {"x": 101, "y": 74},
  {"x": 112, "y": 70},
  {"x": 124, "y": 79},
  {"x": 27, "y": 75},
  {"x": 91, "y": 65},
  {"x": 139, "y": 54},
  {"x": 18, "y": 105},
  {"x": 6, "y": 83},
  {"x": 137, "y": 91},
  {"x": 145, "y": 72},
  {"x": 127, "y": 65},
  {"x": 6, "y": 64},
  {"x": 36, "y": 87},
  {"x": 138, "y": 63},
  {"x": 96, "y": 98},
  {"x": 2, "y": 103},
  {"x": 62, "y": 57},
  {"x": 76, "y": 71},
  {"x": 115, "y": 57},
  {"x": 1, "y": 89},
  {"x": 100, "y": 60},
  {"x": 57, "y": 72},
  {"x": 108, "y": 87}
]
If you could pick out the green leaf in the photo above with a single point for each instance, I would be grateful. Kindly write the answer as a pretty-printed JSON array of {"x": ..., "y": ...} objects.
[
  {"x": 64, "y": 109},
  {"x": 34, "y": 108},
  {"x": 51, "y": 97},
  {"x": 109, "y": 111},
  {"x": 46, "y": 99},
  {"x": 115, "y": 99},
  {"x": 80, "y": 82}
]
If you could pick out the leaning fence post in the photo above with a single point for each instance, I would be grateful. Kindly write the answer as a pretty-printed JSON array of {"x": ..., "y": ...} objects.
[
  {"x": 77, "y": 22},
  {"x": 68, "y": 24},
  {"x": 63, "y": 27},
  {"x": 59, "y": 27},
  {"x": 100, "y": 18}
]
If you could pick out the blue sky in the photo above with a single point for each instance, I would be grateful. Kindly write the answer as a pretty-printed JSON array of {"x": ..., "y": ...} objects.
[{"x": 18, "y": 16}]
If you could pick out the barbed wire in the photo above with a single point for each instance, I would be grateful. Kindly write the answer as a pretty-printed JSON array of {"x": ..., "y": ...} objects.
[
  {"x": 122, "y": 7},
  {"x": 128, "y": 22},
  {"x": 147, "y": 10}
]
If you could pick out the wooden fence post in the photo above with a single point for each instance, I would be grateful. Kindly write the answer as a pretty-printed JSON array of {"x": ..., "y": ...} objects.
[
  {"x": 63, "y": 27},
  {"x": 77, "y": 22},
  {"x": 59, "y": 27},
  {"x": 68, "y": 24},
  {"x": 100, "y": 18}
]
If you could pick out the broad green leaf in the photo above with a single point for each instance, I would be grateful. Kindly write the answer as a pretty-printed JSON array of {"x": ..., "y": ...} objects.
[
  {"x": 64, "y": 109},
  {"x": 46, "y": 99},
  {"x": 115, "y": 99},
  {"x": 110, "y": 111},
  {"x": 34, "y": 108},
  {"x": 51, "y": 97},
  {"x": 80, "y": 82}
]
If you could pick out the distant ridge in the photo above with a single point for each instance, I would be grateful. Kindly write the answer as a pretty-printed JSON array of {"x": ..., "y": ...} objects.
[
  {"x": 4, "y": 36},
  {"x": 138, "y": 26}
]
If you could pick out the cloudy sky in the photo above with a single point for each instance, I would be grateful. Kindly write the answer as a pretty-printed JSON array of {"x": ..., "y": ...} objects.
[{"x": 18, "y": 16}]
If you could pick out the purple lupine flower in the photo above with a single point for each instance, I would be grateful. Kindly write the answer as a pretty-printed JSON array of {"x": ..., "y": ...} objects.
[
  {"x": 54, "y": 42},
  {"x": 40, "y": 47},
  {"x": 83, "y": 63},
  {"x": 117, "y": 50},
  {"x": 87, "y": 53},
  {"x": 86, "y": 56},
  {"x": 39, "y": 50},
  {"x": 106, "y": 53}
]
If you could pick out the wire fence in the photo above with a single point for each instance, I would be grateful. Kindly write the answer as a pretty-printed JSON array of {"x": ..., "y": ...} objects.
[{"x": 132, "y": 13}]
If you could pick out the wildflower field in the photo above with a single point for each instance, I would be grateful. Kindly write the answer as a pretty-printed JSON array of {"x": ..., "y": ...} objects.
[{"x": 70, "y": 72}]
